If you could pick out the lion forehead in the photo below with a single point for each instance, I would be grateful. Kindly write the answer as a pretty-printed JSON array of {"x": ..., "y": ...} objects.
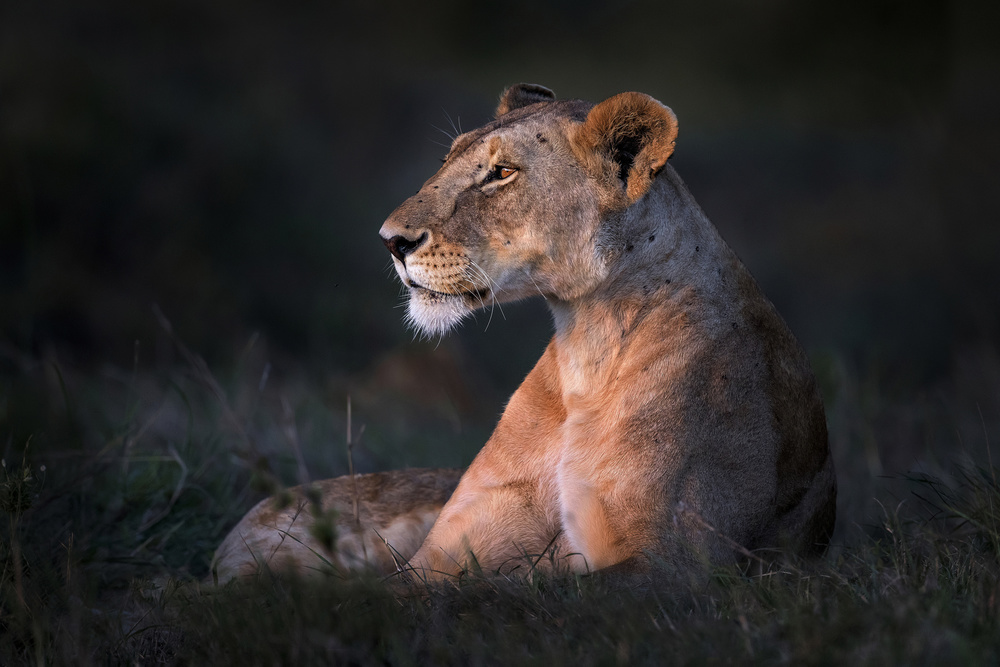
[{"x": 561, "y": 113}]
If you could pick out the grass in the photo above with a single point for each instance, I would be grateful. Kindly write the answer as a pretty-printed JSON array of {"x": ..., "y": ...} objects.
[{"x": 118, "y": 484}]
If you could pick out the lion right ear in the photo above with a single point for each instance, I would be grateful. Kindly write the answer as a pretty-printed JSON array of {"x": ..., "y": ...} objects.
[
  {"x": 521, "y": 95},
  {"x": 628, "y": 138}
]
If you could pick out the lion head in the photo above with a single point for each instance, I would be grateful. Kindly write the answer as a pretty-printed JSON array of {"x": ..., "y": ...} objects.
[{"x": 526, "y": 204}]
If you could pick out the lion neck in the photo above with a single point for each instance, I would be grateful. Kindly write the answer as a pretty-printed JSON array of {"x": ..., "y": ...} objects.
[{"x": 660, "y": 252}]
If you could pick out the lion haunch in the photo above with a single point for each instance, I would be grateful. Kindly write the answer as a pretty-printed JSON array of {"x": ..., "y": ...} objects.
[{"x": 673, "y": 416}]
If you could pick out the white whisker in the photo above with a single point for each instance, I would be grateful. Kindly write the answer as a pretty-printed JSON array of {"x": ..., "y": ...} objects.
[
  {"x": 444, "y": 132},
  {"x": 494, "y": 289},
  {"x": 458, "y": 128},
  {"x": 527, "y": 273},
  {"x": 498, "y": 305},
  {"x": 487, "y": 328},
  {"x": 490, "y": 283}
]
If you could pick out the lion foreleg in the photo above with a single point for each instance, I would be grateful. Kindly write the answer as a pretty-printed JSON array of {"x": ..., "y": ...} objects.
[{"x": 501, "y": 528}]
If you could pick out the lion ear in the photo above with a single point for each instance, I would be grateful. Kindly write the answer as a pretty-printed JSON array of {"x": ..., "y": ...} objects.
[
  {"x": 521, "y": 95},
  {"x": 632, "y": 134}
]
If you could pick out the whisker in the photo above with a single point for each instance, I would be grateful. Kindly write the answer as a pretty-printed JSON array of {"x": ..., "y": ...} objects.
[
  {"x": 457, "y": 129},
  {"x": 534, "y": 283},
  {"x": 479, "y": 296},
  {"x": 444, "y": 132},
  {"x": 476, "y": 276},
  {"x": 477, "y": 271},
  {"x": 494, "y": 288},
  {"x": 493, "y": 285},
  {"x": 487, "y": 328},
  {"x": 498, "y": 305},
  {"x": 482, "y": 273}
]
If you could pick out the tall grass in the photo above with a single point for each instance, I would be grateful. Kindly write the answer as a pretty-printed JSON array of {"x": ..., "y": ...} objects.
[{"x": 117, "y": 485}]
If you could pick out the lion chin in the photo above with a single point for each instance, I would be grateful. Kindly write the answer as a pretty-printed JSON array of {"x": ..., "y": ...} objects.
[{"x": 432, "y": 314}]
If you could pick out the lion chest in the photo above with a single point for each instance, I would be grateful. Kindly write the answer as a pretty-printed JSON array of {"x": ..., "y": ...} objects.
[{"x": 587, "y": 477}]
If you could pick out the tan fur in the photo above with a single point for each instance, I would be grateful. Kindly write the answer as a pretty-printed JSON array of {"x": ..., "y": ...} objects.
[
  {"x": 395, "y": 510},
  {"x": 673, "y": 416}
]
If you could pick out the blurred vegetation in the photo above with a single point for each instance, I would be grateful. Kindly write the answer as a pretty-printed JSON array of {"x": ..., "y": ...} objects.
[
  {"x": 232, "y": 162},
  {"x": 204, "y": 180}
]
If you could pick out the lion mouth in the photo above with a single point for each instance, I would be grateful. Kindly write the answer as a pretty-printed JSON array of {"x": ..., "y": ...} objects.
[
  {"x": 434, "y": 313},
  {"x": 479, "y": 295}
]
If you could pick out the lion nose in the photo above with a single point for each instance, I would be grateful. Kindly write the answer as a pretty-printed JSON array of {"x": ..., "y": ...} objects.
[{"x": 400, "y": 246}]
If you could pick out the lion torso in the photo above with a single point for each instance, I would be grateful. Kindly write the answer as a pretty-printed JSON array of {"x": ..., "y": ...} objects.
[{"x": 678, "y": 408}]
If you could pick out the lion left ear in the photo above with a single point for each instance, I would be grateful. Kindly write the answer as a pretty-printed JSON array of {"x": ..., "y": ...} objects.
[
  {"x": 521, "y": 95},
  {"x": 631, "y": 134}
]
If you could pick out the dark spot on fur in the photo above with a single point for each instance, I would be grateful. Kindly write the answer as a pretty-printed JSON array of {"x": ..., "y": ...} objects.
[
  {"x": 479, "y": 166},
  {"x": 420, "y": 201},
  {"x": 652, "y": 237},
  {"x": 506, "y": 242},
  {"x": 435, "y": 187},
  {"x": 667, "y": 281},
  {"x": 540, "y": 138},
  {"x": 696, "y": 248},
  {"x": 407, "y": 226},
  {"x": 629, "y": 248},
  {"x": 734, "y": 325}
]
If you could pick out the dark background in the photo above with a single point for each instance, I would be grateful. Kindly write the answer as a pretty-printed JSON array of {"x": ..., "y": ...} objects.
[{"x": 231, "y": 161}]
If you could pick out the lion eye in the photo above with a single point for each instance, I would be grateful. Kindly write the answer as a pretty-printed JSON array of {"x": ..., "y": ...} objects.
[{"x": 500, "y": 172}]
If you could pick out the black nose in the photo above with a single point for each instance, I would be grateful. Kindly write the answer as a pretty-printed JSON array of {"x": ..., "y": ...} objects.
[{"x": 400, "y": 246}]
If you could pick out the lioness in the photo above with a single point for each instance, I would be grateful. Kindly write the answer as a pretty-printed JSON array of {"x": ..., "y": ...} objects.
[{"x": 673, "y": 417}]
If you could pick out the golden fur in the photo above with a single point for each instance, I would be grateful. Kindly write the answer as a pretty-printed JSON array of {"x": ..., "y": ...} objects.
[{"x": 673, "y": 417}]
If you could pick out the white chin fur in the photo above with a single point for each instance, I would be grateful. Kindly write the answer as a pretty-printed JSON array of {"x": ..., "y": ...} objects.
[{"x": 434, "y": 314}]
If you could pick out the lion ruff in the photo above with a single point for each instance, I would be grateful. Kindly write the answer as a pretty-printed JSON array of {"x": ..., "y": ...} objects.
[{"x": 673, "y": 417}]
